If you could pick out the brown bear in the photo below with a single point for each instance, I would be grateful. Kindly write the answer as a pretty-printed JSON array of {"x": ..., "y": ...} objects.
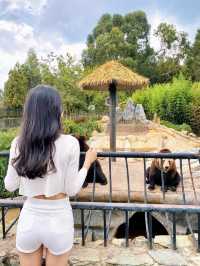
[{"x": 171, "y": 176}]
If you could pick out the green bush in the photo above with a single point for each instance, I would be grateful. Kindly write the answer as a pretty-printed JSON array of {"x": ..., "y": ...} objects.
[
  {"x": 82, "y": 128},
  {"x": 5, "y": 140},
  {"x": 181, "y": 127},
  {"x": 176, "y": 102}
]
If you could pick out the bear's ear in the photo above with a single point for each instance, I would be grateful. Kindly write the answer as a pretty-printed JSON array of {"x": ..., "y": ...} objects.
[{"x": 165, "y": 150}]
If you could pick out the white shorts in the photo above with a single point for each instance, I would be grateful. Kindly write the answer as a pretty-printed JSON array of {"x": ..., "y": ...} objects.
[{"x": 47, "y": 222}]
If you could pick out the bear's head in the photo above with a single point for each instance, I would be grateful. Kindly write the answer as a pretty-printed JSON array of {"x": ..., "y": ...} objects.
[{"x": 165, "y": 164}]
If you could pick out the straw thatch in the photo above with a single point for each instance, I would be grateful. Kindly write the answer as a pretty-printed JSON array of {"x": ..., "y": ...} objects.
[{"x": 113, "y": 72}]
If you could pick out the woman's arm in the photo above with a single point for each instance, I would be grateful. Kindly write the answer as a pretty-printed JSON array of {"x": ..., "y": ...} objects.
[
  {"x": 12, "y": 180},
  {"x": 75, "y": 178}
]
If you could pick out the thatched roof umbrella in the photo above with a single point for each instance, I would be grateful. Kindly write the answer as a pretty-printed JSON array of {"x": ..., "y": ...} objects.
[{"x": 113, "y": 75}]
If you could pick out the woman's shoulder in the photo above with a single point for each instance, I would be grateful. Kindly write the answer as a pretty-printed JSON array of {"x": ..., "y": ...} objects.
[
  {"x": 14, "y": 141},
  {"x": 69, "y": 139}
]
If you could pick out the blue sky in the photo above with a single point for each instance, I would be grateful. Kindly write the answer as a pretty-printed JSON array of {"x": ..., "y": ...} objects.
[{"x": 63, "y": 25}]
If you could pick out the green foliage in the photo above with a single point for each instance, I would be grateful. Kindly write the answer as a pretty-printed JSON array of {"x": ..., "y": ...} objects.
[
  {"x": 5, "y": 140},
  {"x": 81, "y": 128},
  {"x": 16, "y": 87},
  {"x": 181, "y": 127},
  {"x": 32, "y": 69},
  {"x": 21, "y": 79},
  {"x": 176, "y": 102},
  {"x": 174, "y": 48},
  {"x": 124, "y": 38},
  {"x": 6, "y": 136},
  {"x": 193, "y": 60}
]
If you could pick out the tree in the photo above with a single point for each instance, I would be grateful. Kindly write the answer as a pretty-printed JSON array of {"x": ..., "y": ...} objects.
[
  {"x": 15, "y": 88},
  {"x": 32, "y": 69},
  {"x": 193, "y": 60},
  {"x": 174, "y": 47},
  {"x": 125, "y": 38},
  {"x": 67, "y": 76},
  {"x": 20, "y": 80}
]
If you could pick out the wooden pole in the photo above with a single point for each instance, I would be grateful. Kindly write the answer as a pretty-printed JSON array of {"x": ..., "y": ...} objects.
[{"x": 112, "y": 90}]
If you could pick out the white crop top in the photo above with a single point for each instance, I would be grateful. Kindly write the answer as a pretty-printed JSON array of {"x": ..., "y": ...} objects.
[{"x": 67, "y": 179}]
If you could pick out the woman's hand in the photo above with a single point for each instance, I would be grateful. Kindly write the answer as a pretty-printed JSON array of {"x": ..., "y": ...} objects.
[{"x": 90, "y": 157}]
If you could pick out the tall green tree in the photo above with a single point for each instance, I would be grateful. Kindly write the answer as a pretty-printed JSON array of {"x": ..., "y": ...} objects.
[
  {"x": 193, "y": 60},
  {"x": 32, "y": 69},
  {"x": 125, "y": 38},
  {"x": 16, "y": 87},
  {"x": 174, "y": 47}
]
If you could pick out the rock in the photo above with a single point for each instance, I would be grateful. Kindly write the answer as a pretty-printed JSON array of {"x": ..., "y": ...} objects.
[
  {"x": 129, "y": 259},
  {"x": 120, "y": 242},
  {"x": 139, "y": 113},
  {"x": 181, "y": 241},
  {"x": 140, "y": 241},
  {"x": 99, "y": 242},
  {"x": 195, "y": 259},
  {"x": 129, "y": 111},
  {"x": 105, "y": 119},
  {"x": 88, "y": 256},
  {"x": 192, "y": 135},
  {"x": 168, "y": 257},
  {"x": 185, "y": 132},
  {"x": 77, "y": 240}
]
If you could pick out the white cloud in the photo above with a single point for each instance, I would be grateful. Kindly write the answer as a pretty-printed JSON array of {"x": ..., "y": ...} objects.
[
  {"x": 157, "y": 17},
  {"x": 32, "y": 6},
  {"x": 17, "y": 39}
]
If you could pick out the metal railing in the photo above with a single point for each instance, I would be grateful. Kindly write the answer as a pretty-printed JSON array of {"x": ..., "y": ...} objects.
[{"x": 146, "y": 207}]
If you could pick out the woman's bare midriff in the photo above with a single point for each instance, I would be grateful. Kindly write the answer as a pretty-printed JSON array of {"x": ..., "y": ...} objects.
[{"x": 57, "y": 196}]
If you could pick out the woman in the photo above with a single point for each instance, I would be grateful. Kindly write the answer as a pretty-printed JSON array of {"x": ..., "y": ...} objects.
[{"x": 43, "y": 164}]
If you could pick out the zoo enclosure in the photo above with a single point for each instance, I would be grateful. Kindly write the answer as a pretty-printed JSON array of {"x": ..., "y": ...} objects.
[{"x": 108, "y": 207}]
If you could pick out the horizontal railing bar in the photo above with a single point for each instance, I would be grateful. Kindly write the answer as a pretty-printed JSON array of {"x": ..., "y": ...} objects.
[
  {"x": 174, "y": 155},
  {"x": 120, "y": 206}
]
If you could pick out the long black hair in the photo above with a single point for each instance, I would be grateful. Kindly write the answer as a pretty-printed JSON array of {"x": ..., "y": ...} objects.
[{"x": 41, "y": 126}]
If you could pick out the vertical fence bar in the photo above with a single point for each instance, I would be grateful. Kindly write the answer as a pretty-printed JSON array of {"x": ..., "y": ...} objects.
[
  {"x": 128, "y": 179},
  {"x": 182, "y": 183},
  {"x": 198, "y": 240},
  {"x": 184, "y": 201},
  {"x": 89, "y": 216},
  {"x": 82, "y": 227},
  {"x": 110, "y": 196},
  {"x": 174, "y": 231},
  {"x": 150, "y": 230},
  {"x": 145, "y": 188},
  {"x": 162, "y": 180},
  {"x": 198, "y": 237},
  {"x": 104, "y": 228},
  {"x": 94, "y": 181},
  {"x": 192, "y": 180},
  {"x": 110, "y": 179},
  {"x": 127, "y": 228},
  {"x": 145, "y": 200},
  {"x": 3, "y": 222}
]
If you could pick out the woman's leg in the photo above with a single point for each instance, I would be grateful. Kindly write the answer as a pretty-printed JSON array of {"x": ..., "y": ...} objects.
[
  {"x": 31, "y": 259},
  {"x": 58, "y": 260}
]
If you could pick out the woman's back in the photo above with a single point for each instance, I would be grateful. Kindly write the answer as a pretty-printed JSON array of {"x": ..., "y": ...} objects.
[{"x": 65, "y": 179}]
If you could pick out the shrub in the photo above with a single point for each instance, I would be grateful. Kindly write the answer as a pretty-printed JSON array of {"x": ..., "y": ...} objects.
[
  {"x": 176, "y": 102},
  {"x": 5, "y": 140},
  {"x": 181, "y": 127},
  {"x": 82, "y": 128}
]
